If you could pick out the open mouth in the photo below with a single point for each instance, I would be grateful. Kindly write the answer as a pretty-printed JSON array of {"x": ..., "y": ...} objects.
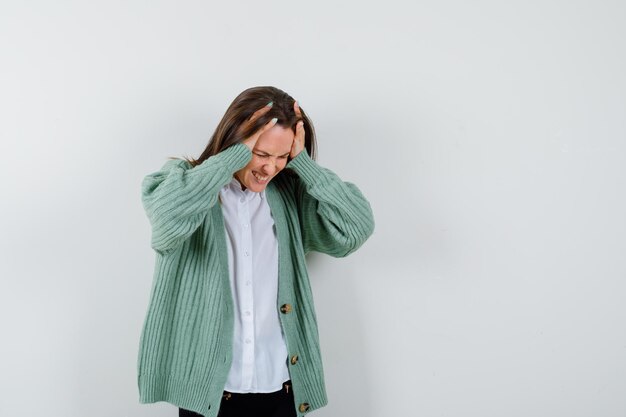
[{"x": 260, "y": 178}]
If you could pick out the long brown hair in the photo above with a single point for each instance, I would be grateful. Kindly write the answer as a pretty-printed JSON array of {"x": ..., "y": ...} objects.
[{"x": 228, "y": 130}]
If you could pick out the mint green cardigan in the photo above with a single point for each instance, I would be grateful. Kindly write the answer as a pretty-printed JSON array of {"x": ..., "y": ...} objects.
[{"x": 186, "y": 343}]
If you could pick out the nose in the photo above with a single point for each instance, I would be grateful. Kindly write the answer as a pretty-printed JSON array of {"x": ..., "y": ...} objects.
[{"x": 270, "y": 167}]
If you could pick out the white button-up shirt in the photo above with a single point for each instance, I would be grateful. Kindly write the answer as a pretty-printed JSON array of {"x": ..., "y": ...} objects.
[{"x": 259, "y": 348}]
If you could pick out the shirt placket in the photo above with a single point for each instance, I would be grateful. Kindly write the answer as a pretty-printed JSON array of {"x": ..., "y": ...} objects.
[{"x": 247, "y": 305}]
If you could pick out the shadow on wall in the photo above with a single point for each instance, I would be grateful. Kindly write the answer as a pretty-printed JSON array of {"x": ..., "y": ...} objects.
[{"x": 342, "y": 336}]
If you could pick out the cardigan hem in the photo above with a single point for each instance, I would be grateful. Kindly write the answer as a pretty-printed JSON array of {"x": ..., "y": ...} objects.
[{"x": 198, "y": 396}]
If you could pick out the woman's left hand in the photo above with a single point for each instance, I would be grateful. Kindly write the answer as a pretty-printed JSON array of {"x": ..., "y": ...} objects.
[{"x": 298, "y": 140}]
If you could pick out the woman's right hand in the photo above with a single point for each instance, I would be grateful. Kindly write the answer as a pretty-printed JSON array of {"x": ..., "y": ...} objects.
[{"x": 251, "y": 140}]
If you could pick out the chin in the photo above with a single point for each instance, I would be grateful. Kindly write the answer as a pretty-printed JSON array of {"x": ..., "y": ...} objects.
[{"x": 255, "y": 186}]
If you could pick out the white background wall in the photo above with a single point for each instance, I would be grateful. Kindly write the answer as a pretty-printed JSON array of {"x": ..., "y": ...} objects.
[{"x": 490, "y": 138}]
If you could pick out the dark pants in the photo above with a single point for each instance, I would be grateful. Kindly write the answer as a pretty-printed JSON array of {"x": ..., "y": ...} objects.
[{"x": 274, "y": 404}]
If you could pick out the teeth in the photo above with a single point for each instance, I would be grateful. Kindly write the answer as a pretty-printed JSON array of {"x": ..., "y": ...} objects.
[{"x": 258, "y": 177}]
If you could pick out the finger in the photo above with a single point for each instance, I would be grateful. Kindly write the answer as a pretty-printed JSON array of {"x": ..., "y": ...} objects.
[
  {"x": 251, "y": 140},
  {"x": 296, "y": 109},
  {"x": 300, "y": 129},
  {"x": 267, "y": 126},
  {"x": 298, "y": 141},
  {"x": 270, "y": 124},
  {"x": 260, "y": 112}
]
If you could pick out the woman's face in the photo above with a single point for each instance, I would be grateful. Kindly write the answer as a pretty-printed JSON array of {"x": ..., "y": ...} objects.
[{"x": 269, "y": 157}]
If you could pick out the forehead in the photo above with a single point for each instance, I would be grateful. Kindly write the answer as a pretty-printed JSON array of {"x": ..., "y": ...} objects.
[{"x": 275, "y": 141}]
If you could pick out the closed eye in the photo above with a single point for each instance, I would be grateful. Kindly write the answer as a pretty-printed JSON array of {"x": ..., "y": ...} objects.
[{"x": 264, "y": 155}]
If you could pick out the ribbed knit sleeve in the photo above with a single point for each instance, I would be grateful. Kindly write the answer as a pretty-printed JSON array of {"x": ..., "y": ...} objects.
[
  {"x": 178, "y": 197},
  {"x": 336, "y": 219}
]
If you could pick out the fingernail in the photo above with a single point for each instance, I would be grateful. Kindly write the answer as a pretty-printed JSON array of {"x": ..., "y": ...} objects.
[
  {"x": 270, "y": 104},
  {"x": 275, "y": 119}
]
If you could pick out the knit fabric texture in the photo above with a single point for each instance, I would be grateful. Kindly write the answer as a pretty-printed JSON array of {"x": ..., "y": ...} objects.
[{"x": 185, "y": 348}]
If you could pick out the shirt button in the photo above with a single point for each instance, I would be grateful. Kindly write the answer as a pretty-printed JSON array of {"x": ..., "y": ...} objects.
[
  {"x": 241, "y": 200},
  {"x": 294, "y": 359},
  {"x": 248, "y": 282},
  {"x": 245, "y": 225},
  {"x": 247, "y": 313},
  {"x": 248, "y": 341},
  {"x": 246, "y": 253},
  {"x": 285, "y": 308}
]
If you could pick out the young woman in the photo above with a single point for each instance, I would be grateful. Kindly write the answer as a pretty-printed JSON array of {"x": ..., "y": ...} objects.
[{"x": 230, "y": 328}]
